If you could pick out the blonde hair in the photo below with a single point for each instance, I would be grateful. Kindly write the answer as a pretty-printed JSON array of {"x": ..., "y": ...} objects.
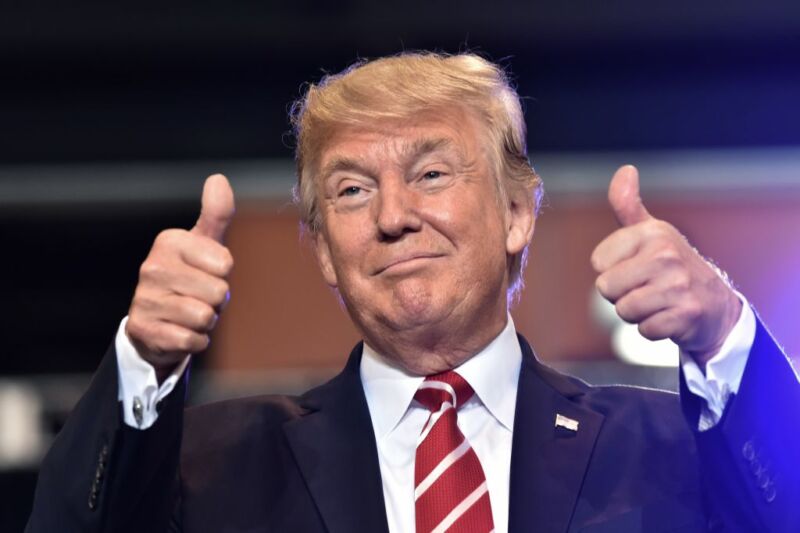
[{"x": 400, "y": 87}]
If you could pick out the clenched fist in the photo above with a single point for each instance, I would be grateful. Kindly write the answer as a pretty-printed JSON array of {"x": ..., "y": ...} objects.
[
  {"x": 658, "y": 281},
  {"x": 182, "y": 284}
]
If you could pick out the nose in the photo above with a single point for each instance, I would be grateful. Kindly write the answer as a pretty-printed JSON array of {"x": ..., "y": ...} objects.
[{"x": 397, "y": 210}]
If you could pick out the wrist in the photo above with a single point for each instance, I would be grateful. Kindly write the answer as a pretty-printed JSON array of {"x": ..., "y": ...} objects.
[{"x": 731, "y": 317}]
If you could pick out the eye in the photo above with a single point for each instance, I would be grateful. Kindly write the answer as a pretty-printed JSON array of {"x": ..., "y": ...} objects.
[
  {"x": 432, "y": 175},
  {"x": 350, "y": 191}
]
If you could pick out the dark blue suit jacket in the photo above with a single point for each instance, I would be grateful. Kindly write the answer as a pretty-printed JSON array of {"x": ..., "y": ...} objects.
[{"x": 309, "y": 463}]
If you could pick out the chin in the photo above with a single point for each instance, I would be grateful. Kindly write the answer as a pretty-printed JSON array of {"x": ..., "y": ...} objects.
[
  {"x": 406, "y": 305},
  {"x": 415, "y": 302}
]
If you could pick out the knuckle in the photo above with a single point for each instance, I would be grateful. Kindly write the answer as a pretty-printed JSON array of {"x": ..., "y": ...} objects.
[
  {"x": 205, "y": 317},
  {"x": 144, "y": 303},
  {"x": 601, "y": 284},
  {"x": 151, "y": 270},
  {"x": 650, "y": 229},
  {"x": 135, "y": 327},
  {"x": 597, "y": 262},
  {"x": 226, "y": 262},
  {"x": 680, "y": 281},
  {"x": 653, "y": 329},
  {"x": 197, "y": 343},
  {"x": 184, "y": 341},
  {"x": 624, "y": 310},
  {"x": 146, "y": 269},
  {"x": 169, "y": 237},
  {"x": 143, "y": 334},
  {"x": 660, "y": 227},
  {"x": 692, "y": 309},
  {"x": 647, "y": 330},
  {"x": 667, "y": 255},
  {"x": 219, "y": 293}
]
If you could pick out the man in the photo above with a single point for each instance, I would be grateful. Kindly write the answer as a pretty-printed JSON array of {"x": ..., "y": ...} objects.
[{"x": 414, "y": 185}]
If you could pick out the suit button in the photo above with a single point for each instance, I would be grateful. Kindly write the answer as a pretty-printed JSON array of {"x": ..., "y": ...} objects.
[
  {"x": 770, "y": 493},
  {"x": 93, "y": 497},
  {"x": 102, "y": 460},
  {"x": 756, "y": 468},
  {"x": 763, "y": 480},
  {"x": 748, "y": 450}
]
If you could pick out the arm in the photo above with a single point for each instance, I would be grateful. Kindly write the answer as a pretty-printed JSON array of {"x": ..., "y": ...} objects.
[
  {"x": 657, "y": 280},
  {"x": 113, "y": 470},
  {"x": 101, "y": 475},
  {"x": 749, "y": 459},
  {"x": 723, "y": 372},
  {"x": 139, "y": 391}
]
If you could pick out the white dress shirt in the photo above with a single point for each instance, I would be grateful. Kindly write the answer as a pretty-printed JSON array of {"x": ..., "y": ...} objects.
[
  {"x": 486, "y": 420},
  {"x": 724, "y": 371},
  {"x": 139, "y": 391}
]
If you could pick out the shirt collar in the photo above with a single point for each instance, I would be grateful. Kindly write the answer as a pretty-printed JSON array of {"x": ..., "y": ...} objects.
[{"x": 493, "y": 373}]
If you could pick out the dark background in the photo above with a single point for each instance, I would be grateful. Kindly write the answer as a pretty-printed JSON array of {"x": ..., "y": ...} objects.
[
  {"x": 106, "y": 82},
  {"x": 198, "y": 79}
]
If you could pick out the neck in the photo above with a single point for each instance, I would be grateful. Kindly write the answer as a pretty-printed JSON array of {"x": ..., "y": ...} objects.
[{"x": 433, "y": 348}]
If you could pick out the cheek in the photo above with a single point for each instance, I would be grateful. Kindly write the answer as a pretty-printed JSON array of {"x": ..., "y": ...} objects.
[
  {"x": 484, "y": 237},
  {"x": 350, "y": 240},
  {"x": 476, "y": 222}
]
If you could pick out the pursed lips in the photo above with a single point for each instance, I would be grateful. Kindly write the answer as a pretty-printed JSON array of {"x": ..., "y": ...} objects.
[{"x": 405, "y": 259}]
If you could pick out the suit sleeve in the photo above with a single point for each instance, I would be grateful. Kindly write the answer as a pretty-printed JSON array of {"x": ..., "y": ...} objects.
[
  {"x": 101, "y": 475},
  {"x": 750, "y": 461}
]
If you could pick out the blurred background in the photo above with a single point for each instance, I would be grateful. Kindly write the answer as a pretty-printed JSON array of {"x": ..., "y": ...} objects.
[{"x": 112, "y": 115}]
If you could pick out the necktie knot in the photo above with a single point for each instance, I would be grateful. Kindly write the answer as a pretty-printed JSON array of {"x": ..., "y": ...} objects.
[{"x": 443, "y": 388}]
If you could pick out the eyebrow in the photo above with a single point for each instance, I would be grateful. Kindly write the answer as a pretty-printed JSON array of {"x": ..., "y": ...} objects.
[
  {"x": 424, "y": 146},
  {"x": 340, "y": 164},
  {"x": 410, "y": 152}
]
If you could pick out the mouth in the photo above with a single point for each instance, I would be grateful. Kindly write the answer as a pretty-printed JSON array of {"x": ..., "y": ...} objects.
[{"x": 406, "y": 263}]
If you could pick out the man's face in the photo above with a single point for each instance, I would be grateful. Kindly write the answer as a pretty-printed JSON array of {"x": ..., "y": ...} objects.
[{"x": 413, "y": 234}]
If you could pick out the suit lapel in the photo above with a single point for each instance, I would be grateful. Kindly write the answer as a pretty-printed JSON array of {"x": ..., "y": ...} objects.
[
  {"x": 548, "y": 463},
  {"x": 334, "y": 446}
]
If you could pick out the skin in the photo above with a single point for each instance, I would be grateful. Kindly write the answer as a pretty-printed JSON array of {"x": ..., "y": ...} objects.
[
  {"x": 182, "y": 284},
  {"x": 658, "y": 281},
  {"x": 423, "y": 281},
  {"x": 417, "y": 243}
]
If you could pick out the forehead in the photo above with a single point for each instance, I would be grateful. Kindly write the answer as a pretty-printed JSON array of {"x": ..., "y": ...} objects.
[{"x": 451, "y": 130}]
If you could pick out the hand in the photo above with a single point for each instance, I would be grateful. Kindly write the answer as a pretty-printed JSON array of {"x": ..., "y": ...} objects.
[
  {"x": 658, "y": 281},
  {"x": 182, "y": 284}
]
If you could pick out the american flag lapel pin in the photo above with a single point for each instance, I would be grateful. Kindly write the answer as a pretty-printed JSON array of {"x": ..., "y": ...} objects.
[{"x": 567, "y": 423}]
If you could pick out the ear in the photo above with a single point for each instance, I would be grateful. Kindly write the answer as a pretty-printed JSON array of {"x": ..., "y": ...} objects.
[
  {"x": 520, "y": 221},
  {"x": 323, "y": 253}
]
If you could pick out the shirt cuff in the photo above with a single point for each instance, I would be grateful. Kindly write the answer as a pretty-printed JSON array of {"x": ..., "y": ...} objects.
[
  {"x": 723, "y": 371},
  {"x": 139, "y": 391}
]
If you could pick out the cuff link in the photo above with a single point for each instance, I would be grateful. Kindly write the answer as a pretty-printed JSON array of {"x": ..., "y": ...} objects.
[{"x": 138, "y": 411}]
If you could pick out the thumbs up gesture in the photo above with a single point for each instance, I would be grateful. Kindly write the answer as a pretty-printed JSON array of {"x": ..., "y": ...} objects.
[
  {"x": 182, "y": 284},
  {"x": 657, "y": 280}
]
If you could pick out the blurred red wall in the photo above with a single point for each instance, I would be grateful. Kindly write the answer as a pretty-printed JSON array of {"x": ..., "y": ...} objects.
[{"x": 283, "y": 316}]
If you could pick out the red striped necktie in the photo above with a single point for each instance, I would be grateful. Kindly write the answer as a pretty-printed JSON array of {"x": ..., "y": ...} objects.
[{"x": 450, "y": 488}]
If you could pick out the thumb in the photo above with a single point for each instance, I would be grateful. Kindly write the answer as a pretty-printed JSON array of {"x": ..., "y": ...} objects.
[
  {"x": 623, "y": 195},
  {"x": 216, "y": 209}
]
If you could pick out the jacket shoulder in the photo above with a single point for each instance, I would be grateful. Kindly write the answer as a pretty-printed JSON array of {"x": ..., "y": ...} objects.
[
  {"x": 645, "y": 411},
  {"x": 229, "y": 420}
]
